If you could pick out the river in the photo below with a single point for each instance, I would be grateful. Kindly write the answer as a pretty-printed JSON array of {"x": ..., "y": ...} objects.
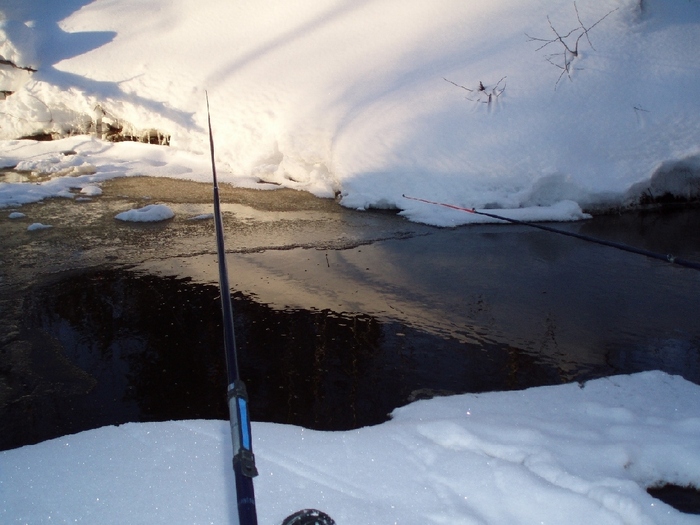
[{"x": 341, "y": 315}]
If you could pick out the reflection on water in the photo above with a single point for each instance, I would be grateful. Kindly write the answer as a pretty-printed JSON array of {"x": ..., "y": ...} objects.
[
  {"x": 337, "y": 338},
  {"x": 114, "y": 346}
]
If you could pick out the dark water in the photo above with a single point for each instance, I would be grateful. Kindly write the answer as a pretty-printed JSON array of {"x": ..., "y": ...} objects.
[
  {"x": 114, "y": 346},
  {"x": 464, "y": 310},
  {"x": 685, "y": 499}
]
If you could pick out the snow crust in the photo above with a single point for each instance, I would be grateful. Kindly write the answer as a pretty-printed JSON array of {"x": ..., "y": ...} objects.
[
  {"x": 38, "y": 226},
  {"x": 575, "y": 454},
  {"x": 91, "y": 190},
  {"x": 350, "y": 99},
  {"x": 149, "y": 213}
]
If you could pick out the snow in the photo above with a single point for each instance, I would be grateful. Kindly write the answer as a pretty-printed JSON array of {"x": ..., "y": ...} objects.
[
  {"x": 365, "y": 100},
  {"x": 38, "y": 226},
  {"x": 575, "y": 454},
  {"x": 149, "y": 213},
  {"x": 91, "y": 190}
]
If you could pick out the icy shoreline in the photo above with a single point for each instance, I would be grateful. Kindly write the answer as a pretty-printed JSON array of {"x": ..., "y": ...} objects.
[
  {"x": 351, "y": 100},
  {"x": 69, "y": 167}
]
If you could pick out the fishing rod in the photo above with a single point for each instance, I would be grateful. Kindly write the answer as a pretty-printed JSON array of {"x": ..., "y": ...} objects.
[
  {"x": 666, "y": 258},
  {"x": 243, "y": 459}
]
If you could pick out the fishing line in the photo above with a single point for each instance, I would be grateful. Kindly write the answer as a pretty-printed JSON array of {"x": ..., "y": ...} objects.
[{"x": 625, "y": 247}]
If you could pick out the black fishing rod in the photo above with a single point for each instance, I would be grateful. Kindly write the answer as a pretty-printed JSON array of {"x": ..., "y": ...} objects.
[
  {"x": 243, "y": 459},
  {"x": 666, "y": 258}
]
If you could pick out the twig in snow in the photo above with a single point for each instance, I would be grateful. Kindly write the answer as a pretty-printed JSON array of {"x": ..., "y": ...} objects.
[
  {"x": 568, "y": 42},
  {"x": 4, "y": 62},
  {"x": 483, "y": 94}
]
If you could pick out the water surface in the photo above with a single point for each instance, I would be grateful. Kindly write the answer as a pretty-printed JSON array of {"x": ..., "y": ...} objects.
[{"x": 340, "y": 316}]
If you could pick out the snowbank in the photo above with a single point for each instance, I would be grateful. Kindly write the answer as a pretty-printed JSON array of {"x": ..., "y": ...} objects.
[
  {"x": 450, "y": 101},
  {"x": 575, "y": 454}
]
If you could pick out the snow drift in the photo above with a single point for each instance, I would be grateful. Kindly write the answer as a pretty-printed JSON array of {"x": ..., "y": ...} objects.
[
  {"x": 350, "y": 98},
  {"x": 575, "y": 454}
]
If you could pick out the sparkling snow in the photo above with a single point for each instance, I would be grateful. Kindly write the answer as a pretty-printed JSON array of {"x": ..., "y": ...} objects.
[{"x": 574, "y": 454}]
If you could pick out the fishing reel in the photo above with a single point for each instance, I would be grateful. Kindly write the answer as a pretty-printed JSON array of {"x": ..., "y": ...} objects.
[{"x": 309, "y": 517}]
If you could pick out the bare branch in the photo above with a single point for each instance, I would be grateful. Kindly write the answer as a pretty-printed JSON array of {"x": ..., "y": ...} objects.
[
  {"x": 4, "y": 62},
  {"x": 585, "y": 31},
  {"x": 485, "y": 94},
  {"x": 561, "y": 38},
  {"x": 606, "y": 16},
  {"x": 458, "y": 85},
  {"x": 569, "y": 42}
]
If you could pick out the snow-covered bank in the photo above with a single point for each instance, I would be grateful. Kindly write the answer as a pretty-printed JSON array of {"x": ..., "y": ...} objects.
[
  {"x": 351, "y": 98},
  {"x": 567, "y": 454}
]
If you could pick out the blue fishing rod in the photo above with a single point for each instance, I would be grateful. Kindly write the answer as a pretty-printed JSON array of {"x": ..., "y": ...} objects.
[{"x": 243, "y": 459}]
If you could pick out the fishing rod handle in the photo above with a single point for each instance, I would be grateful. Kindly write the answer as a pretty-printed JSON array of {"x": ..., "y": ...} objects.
[{"x": 240, "y": 429}]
